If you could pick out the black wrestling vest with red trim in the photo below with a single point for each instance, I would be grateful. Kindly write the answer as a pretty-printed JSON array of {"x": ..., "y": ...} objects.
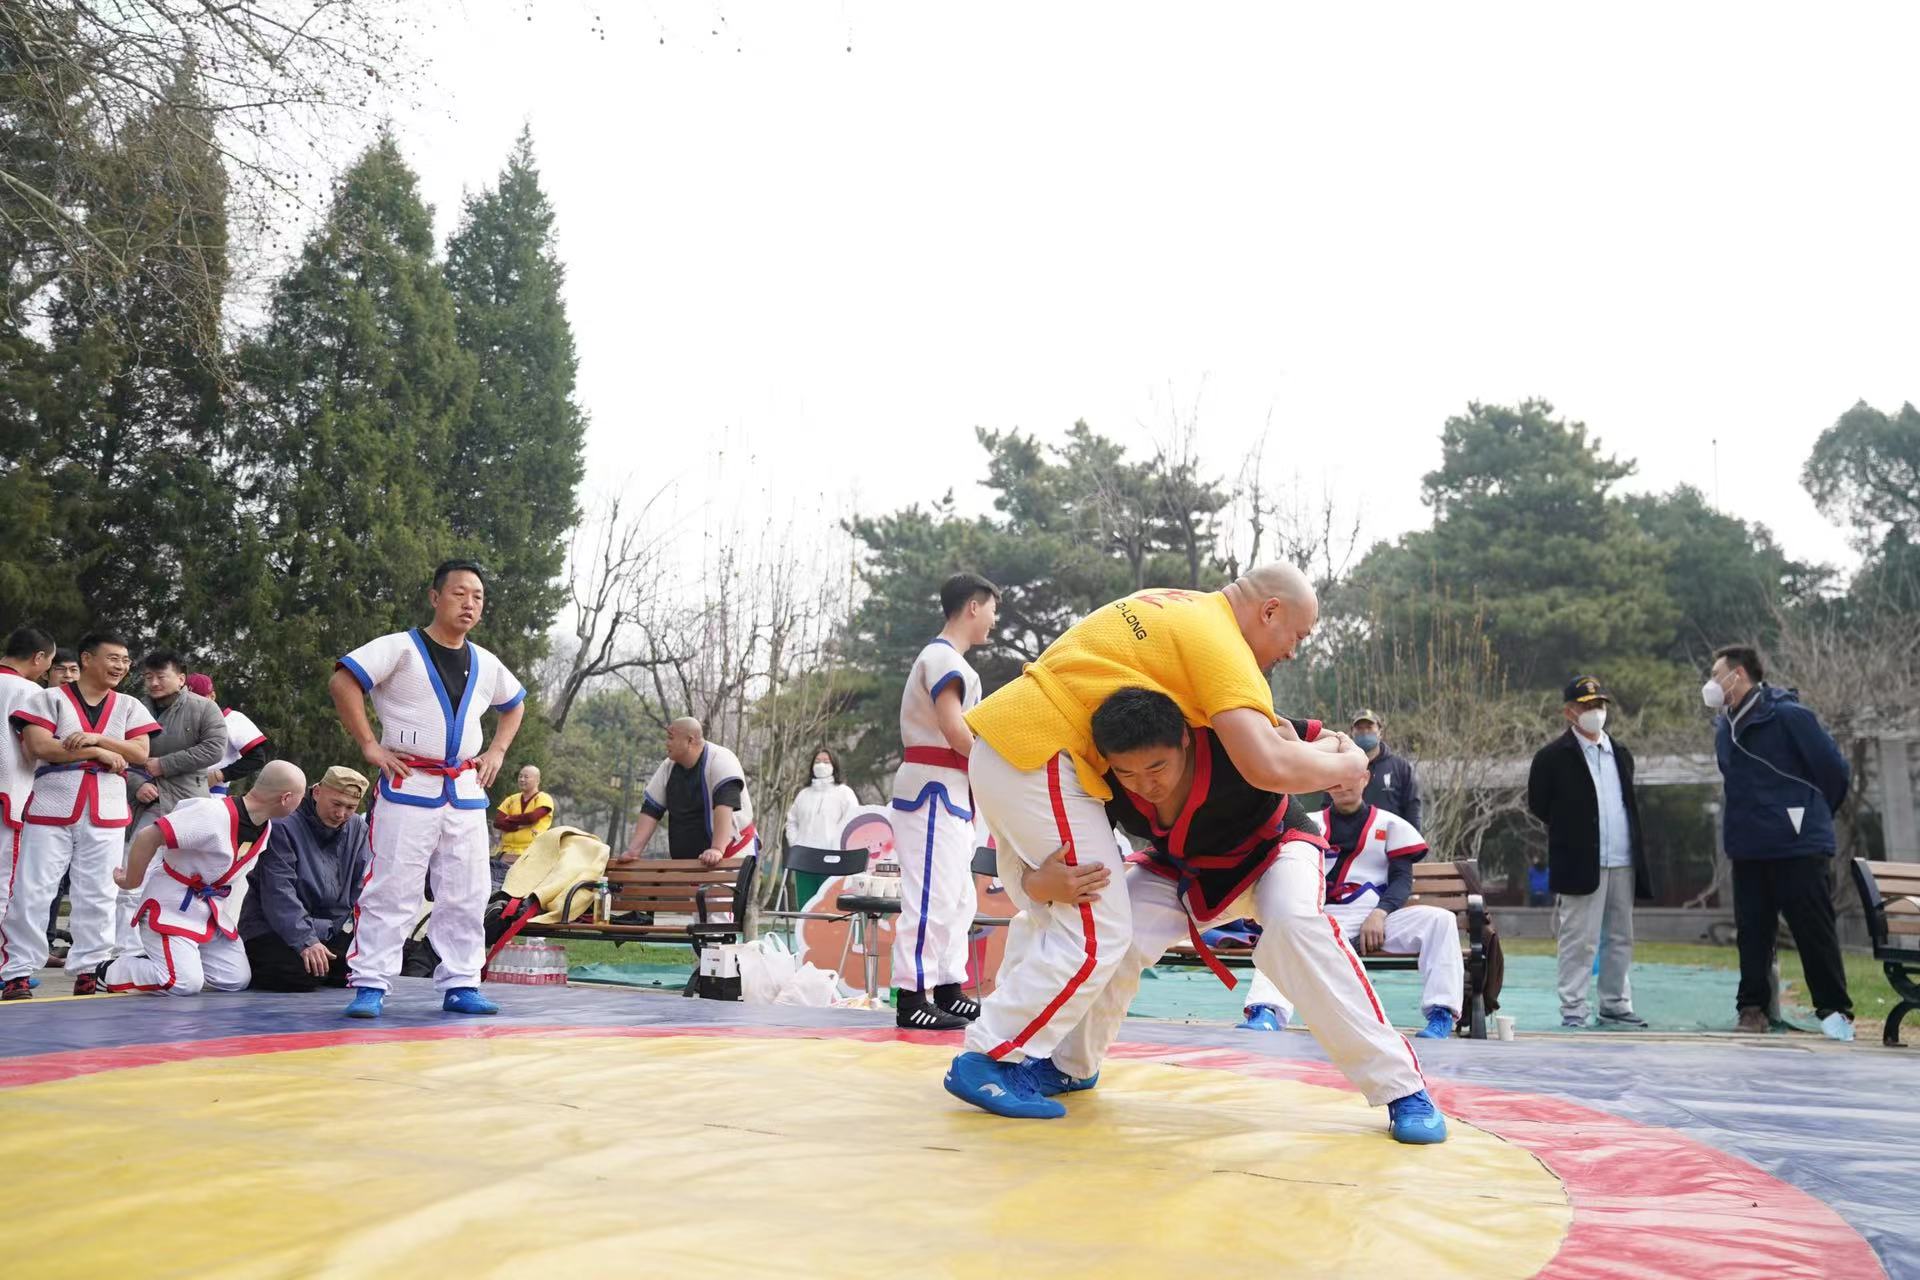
[{"x": 1228, "y": 832}]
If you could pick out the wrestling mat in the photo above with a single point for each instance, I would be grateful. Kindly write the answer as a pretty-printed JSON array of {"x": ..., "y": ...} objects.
[{"x": 588, "y": 1133}]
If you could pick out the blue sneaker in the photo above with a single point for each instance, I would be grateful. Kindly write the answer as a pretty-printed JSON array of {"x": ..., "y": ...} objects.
[
  {"x": 1439, "y": 1025},
  {"x": 366, "y": 1002},
  {"x": 1263, "y": 1017},
  {"x": 1004, "y": 1088},
  {"x": 467, "y": 1000},
  {"x": 1049, "y": 1080},
  {"x": 1414, "y": 1119},
  {"x": 1835, "y": 1026}
]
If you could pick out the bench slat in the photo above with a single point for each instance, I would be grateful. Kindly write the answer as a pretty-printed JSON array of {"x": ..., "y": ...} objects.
[{"x": 1898, "y": 886}]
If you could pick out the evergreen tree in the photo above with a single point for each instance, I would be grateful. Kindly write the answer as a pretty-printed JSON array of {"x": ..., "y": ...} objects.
[
  {"x": 1525, "y": 532},
  {"x": 515, "y": 460},
  {"x": 357, "y": 391},
  {"x": 132, "y": 431}
]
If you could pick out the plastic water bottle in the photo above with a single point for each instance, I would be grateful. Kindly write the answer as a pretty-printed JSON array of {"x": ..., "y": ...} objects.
[{"x": 602, "y": 902}]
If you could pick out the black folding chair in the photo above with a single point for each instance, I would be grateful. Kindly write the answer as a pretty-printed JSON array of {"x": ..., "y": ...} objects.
[{"x": 804, "y": 859}]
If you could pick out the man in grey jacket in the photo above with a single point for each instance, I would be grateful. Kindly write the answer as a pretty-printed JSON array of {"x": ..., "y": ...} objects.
[
  {"x": 192, "y": 738},
  {"x": 297, "y": 923}
]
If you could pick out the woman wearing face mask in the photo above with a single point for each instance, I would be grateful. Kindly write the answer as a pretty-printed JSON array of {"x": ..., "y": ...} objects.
[
  {"x": 821, "y": 810},
  {"x": 1581, "y": 786}
]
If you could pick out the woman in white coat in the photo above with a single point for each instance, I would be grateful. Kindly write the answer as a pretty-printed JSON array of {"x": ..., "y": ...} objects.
[
  {"x": 820, "y": 812},
  {"x": 818, "y": 815}
]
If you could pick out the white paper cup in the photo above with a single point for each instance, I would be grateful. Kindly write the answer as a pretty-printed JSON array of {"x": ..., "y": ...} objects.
[{"x": 1502, "y": 1026}]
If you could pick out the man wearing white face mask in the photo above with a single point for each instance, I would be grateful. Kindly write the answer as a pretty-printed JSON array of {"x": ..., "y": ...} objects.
[
  {"x": 1785, "y": 776},
  {"x": 1581, "y": 787}
]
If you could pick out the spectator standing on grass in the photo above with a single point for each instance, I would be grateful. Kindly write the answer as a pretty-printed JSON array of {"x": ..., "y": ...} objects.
[
  {"x": 820, "y": 811},
  {"x": 1784, "y": 777},
  {"x": 1581, "y": 786}
]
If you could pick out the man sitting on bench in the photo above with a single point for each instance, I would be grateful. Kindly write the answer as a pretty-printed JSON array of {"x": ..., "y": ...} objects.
[{"x": 1369, "y": 877}]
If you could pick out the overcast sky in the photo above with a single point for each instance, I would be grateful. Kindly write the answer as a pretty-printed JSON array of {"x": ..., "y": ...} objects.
[{"x": 1677, "y": 223}]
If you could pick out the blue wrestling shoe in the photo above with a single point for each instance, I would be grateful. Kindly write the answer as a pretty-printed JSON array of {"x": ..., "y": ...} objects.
[
  {"x": 1049, "y": 1080},
  {"x": 1263, "y": 1017},
  {"x": 467, "y": 1000},
  {"x": 366, "y": 1002},
  {"x": 1414, "y": 1119},
  {"x": 1440, "y": 1023},
  {"x": 1004, "y": 1088}
]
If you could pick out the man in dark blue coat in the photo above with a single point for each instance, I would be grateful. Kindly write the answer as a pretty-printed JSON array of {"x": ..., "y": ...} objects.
[
  {"x": 1784, "y": 777},
  {"x": 297, "y": 922}
]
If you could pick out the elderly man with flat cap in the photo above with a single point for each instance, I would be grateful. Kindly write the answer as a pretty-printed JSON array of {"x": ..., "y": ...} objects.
[
  {"x": 1581, "y": 786},
  {"x": 298, "y": 921}
]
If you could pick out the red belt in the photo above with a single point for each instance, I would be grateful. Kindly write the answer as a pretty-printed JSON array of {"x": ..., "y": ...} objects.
[
  {"x": 742, "y": 840},
  {"x": 437, "y": 768},
  {"x": 945, "y": 757}
]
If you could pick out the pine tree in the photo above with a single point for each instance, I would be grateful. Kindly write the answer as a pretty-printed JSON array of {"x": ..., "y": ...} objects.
[
  {"x": 515, "y": 461},
  {"x": 357, "y": 391},
  {"x": 132, "y": 426}
]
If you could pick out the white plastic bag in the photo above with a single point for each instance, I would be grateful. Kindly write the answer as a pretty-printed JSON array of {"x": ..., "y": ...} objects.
[
  {"x": 766, "y": 966},
  {"x": 811, "y": 986}
]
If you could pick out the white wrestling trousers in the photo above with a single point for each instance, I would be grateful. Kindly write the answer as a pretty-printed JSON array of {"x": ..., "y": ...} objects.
[
  {"x": 1430, "y": 931},
  {"x": 1058, "y": 958},
  {"x": 87, "y": 855},
  {"x": 170, "y": 966},
  {"x": 1301, "y": 949},
  {"x": 409, "y": 842},
  {"x": 937, "y": 899}
]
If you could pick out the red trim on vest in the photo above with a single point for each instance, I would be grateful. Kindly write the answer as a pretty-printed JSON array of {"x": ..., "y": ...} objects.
[
  {"x": 1338, "y": 876},
  {"x": 240, "y": 860},
  {"x": 1079, "y": 977}
]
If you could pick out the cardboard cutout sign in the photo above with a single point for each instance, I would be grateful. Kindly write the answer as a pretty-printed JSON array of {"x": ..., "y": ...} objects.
[{"x": 830, "y": 944}]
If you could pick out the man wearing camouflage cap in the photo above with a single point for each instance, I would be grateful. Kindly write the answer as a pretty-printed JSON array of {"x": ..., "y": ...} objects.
[{"x": 298, "y": 921}]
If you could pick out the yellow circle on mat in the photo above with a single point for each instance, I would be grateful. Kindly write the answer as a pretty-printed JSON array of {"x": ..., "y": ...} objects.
[{"x": 575, "y": 1155}]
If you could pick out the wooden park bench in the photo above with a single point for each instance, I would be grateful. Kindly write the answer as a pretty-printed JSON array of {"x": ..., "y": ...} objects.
[
  {"x": 1454, "y": 886},
  {"x": 1890, "y": 895},
  {"x": 665, "y": 901}
]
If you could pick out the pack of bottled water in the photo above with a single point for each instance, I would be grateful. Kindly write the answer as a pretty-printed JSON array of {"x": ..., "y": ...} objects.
[{"x": 530, "y": 962}]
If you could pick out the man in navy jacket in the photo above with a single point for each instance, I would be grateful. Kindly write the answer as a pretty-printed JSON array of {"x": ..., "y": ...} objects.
[
  {"x": 298, "y": 921},
  {"x": 1784, "y": 777}
]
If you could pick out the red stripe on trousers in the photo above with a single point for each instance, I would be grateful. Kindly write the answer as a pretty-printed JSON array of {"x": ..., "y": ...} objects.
[
  {"x": 1086, "y": 924},
  {"x": 166, "y": 949},
  {"x": 1359, "y": 971}
]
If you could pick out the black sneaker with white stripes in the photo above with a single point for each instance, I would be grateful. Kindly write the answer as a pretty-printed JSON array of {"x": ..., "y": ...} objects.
[
  {"x": 948, "y": 997},
  {"x": 915, "y": 1012}
]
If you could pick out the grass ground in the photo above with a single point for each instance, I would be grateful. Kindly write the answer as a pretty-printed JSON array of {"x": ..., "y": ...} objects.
[
  {"x": 1873, "y": 999},
  {"x": 631, "y": 953}
]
